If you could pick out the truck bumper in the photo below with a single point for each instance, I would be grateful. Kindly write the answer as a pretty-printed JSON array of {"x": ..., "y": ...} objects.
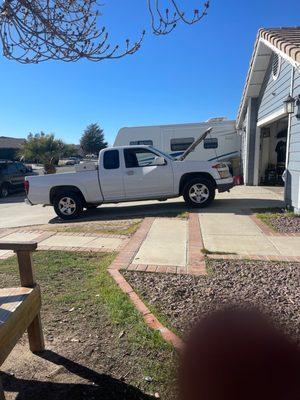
[{"x": 225, "y": 185}]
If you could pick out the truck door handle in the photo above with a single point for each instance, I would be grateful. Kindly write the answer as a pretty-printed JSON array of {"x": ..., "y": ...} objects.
[{"x": 130, "y": 172}]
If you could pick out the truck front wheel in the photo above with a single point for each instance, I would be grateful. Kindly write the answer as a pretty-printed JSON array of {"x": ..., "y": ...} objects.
[
  {"x": 68, "y": 205},
  {"x": 199, "y": 192}
]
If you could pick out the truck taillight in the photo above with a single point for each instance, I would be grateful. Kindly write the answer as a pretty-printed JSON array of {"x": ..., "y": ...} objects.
[
  {"x": 219, "y": 166},
  {"x": 26, "y": 186}
]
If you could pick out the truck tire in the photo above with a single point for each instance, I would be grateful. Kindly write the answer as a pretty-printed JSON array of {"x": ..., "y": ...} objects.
[
  {"x": 199, "y": 192},
  {"x": 68, "y": 205},
  {"x": 4, "y": 190}
]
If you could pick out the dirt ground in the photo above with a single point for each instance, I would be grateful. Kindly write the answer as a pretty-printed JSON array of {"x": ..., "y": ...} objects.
[{"x": 87, "y": 356}]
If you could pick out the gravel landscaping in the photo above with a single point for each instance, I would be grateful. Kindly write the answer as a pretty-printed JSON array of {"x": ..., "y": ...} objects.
[
  {"x": 282, "y": 222},
  {"x": 181, "y": 299},
  {"x": 285, "y": 223}
]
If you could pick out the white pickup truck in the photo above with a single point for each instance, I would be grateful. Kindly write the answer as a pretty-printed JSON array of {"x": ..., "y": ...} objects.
[{"x": 129, "y": 173}]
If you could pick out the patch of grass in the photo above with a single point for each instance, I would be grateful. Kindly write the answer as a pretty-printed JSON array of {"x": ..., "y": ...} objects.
[
  {"x": 124, "y": 314},
  {"x": 80, "y": 281},
  {"x": 92, "y": 227},
  {"x": 127, "y": 231},
  {"x": 206, "y": 251}
]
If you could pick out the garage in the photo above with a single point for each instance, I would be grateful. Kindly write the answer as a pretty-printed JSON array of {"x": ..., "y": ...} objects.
[
  {"x": 269, "y": 114},
  {"x": 272, "y": 161}
]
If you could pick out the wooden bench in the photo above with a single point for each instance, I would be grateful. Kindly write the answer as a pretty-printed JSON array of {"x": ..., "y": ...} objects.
[{"x": 20, "y": 306}]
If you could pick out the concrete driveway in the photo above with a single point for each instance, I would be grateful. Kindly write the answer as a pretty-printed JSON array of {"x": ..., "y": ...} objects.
[
  {"x": 15, "y": 213},
  {"x": 226, "y": 226}
]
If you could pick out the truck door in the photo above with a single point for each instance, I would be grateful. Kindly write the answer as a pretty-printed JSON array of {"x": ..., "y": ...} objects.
[
  {"x": 111, "y": 175},
  {"x": 142, "y": 179}
]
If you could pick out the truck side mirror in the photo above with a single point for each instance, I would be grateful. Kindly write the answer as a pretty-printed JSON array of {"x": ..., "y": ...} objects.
[{"x": 158, "y": 161}]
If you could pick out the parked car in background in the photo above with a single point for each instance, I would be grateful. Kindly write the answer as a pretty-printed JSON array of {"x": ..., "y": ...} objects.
[
  {"x": 91, "y": 156},
  {"x": 130, "y": 173},
  {"x": 68, "y": 161},
  {"x": 12, "y": 176}
]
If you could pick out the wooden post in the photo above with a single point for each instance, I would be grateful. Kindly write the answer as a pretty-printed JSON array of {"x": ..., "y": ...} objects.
[
  {"x": 35, "y": 330},
  {"x": 25, "y": 268},
  {"x": 35, "y": 335}
]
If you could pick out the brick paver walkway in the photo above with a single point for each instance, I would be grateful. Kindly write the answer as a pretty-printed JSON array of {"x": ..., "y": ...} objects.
[{"x": 51, "y": 240}]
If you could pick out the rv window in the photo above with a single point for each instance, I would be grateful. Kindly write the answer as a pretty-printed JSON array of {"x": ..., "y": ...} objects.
[
  {"x": 111, "y": 159},
  {"x": 210, "y": 143},
  {"x": 141, "y": 142},
  {"x": 181, "y": 144}
]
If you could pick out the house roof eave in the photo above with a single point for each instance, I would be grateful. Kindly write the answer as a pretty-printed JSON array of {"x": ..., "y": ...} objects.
[{"x": 285, "y": 42}]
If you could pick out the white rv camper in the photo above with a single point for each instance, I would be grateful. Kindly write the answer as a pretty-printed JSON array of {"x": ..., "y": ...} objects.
[{"x": 222, "y": 144}]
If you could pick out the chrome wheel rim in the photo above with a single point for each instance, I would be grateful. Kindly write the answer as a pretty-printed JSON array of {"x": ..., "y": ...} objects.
[
  {"x": 67, "y": 206},
  {"x": 199, "y": 193}
]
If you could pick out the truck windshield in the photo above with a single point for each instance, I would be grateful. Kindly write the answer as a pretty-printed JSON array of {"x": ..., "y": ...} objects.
[{"x": 164, "y": 154}]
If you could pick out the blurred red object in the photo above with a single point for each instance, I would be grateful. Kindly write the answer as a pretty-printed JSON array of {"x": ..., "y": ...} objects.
[
  {"x": 239, "y": 355},
  {"x": 238, "y": 180}
]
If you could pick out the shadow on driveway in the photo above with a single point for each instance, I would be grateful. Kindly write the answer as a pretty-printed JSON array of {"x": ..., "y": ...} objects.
[
  {"x": 13, "y": 198},
  {"x": 238, "y": 206},
  {"x": 129, "y": 212}
]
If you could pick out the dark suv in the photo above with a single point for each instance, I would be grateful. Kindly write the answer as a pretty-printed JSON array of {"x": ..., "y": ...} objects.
[{"x": 12, "y": 176}]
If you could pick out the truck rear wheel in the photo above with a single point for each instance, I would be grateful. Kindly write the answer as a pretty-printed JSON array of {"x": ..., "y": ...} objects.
[
  {"x": 68, "y": 205},
  {"x": 199, "y": 192}
]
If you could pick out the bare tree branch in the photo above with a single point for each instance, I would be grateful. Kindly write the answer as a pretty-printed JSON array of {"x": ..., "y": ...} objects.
[
  {"x": 33, "y": 31},
  {"x": 163, "y": 23}
]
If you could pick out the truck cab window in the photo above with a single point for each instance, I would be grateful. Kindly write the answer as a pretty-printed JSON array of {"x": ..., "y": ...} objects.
[
  {"x": 111, "y": 159},
  {"x": 135, "y": 158}
]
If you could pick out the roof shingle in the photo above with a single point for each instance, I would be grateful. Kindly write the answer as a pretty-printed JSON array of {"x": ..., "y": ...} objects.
[{"x": 285, "y": 39}]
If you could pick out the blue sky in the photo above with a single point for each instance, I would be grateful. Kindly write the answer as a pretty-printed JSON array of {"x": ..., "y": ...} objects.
[{"x": 194, "y": 73}]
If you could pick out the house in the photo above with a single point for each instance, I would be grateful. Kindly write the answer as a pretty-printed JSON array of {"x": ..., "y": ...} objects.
[
  {"x": 9, "y": 147},
  {"x": 269, "y": 113}
]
